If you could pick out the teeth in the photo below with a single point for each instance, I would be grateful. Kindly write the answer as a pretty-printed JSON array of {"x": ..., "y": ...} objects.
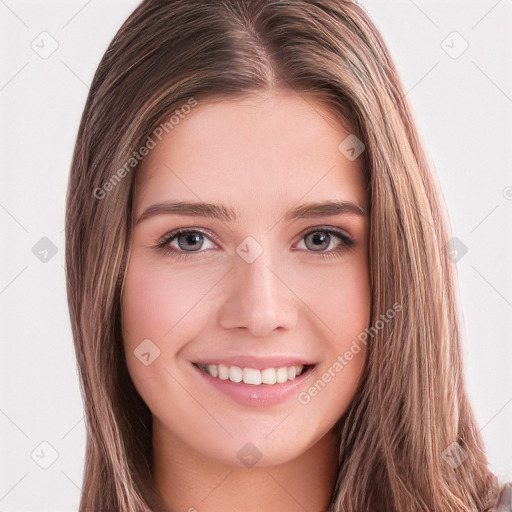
[
  {"x": 268, "y": 376},
  {"x": 222, "y": 370},
  {"x": 282, "y": 374},
  {"x": 235, "y": 374},
  {"x": 252, "y": 375}
]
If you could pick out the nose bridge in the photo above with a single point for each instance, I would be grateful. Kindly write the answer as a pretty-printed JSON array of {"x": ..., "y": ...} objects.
[
  {"x": 258, "y": 282},
  {"x": 258, "y": 300}
]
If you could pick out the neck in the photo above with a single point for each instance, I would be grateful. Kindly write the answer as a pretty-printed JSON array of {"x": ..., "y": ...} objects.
[{"x": 187, "y": 481}]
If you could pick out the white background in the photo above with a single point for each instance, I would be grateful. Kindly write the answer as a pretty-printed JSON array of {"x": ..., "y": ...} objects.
[{"x": 463, "y": 109}]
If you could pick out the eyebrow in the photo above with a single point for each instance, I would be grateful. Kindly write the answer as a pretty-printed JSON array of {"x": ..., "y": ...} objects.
[{"x": 221, "y": 212}]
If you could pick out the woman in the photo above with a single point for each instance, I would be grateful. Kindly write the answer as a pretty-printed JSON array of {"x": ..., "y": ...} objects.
[{"x": 262, "y": 301}]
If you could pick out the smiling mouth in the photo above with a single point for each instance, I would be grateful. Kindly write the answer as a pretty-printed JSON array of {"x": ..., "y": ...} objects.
[{"x": 267, "y": 376}]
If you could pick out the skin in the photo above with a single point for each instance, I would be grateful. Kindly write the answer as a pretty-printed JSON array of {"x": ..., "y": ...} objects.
[{"x": 261, "y": 155}]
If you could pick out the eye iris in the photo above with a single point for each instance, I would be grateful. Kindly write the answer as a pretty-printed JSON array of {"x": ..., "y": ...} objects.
[
  {"x": 320, "y": 240},
  {"x": 190, "y": 238}
]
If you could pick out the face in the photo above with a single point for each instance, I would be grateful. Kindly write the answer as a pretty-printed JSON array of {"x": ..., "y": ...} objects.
[{"x": 260, "y": 283}]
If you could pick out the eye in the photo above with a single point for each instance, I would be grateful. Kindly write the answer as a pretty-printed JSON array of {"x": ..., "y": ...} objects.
[
  {"x": 190, "y": 240},
  {"x": 185, "y": 241},
  {"x": 326, "y": 241}
]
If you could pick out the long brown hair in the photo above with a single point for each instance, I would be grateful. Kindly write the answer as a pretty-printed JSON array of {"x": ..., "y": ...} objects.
[{"x": 411, "y": 406}]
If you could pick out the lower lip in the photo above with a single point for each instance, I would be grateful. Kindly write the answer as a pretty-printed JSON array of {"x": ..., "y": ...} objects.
[{"x": 263, "y": 394}]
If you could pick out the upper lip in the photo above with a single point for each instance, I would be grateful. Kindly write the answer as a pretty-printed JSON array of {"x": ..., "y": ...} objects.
[{"x": 258, "y": 363}]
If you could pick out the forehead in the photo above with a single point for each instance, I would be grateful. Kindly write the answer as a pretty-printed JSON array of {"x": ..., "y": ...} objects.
[{"x": 258, "y": 153}]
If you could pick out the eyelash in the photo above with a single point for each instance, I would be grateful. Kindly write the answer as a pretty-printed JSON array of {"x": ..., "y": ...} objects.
[{"x": 347, "y": 242}]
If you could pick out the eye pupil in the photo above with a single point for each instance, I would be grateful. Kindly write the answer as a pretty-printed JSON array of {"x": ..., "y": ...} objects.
[
  {"x": 320, "y": 240},
  {"x": 194, "y": 239}
]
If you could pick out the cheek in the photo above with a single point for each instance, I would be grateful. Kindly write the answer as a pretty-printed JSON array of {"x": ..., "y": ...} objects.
[
  {"x": 158, "y": 302},
  {"x": 160, "y": 306},
  {"x": 161, "y": 311},
  {"x": 349, "y": 304},
  {"x": 343, "y": 305},
  {"x": 341, "y": 299}
]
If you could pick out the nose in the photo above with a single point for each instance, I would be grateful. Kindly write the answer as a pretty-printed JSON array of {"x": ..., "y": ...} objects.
[{"x": 258, "y": 299}]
